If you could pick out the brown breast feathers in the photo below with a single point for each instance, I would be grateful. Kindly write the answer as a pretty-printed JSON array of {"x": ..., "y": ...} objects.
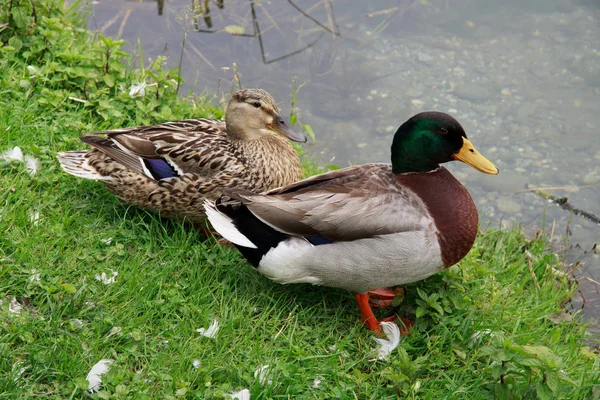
[{"x": 451, "y": 207}]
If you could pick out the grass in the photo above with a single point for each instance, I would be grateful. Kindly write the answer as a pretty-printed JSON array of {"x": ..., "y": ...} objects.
[{"x": 484, "y": 328}]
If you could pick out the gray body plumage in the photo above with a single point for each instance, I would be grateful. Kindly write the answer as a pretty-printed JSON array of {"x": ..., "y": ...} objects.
[{"x": 384, "y": 234}]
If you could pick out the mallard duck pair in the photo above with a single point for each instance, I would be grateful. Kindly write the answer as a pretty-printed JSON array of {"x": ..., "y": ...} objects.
[
  {"x": 366, "y": 227},
  {"x": 171, "y": 168}
]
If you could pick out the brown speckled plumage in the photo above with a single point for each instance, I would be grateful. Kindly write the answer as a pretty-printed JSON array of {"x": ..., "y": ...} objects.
[{"x": 205, "y": 155}]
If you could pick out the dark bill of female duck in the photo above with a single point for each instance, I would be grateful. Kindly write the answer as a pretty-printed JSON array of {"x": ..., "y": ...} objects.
[{"x": 282, "y": 128}]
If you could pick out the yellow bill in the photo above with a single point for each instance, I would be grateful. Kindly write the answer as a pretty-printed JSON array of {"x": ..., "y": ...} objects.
[{"x": 469, "y": 155}]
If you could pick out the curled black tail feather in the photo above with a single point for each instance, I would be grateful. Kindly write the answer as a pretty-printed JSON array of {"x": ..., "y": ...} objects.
[{"x": 262, "y": 235}]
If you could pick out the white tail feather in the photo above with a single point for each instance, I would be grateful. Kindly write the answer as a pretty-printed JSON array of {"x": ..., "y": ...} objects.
[
  {"x": 223, "y": 224},
  {"x": 76, "y": 164}
]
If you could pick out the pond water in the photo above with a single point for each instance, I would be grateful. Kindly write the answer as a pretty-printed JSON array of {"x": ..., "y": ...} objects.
[{"x": 522, "y": 77}]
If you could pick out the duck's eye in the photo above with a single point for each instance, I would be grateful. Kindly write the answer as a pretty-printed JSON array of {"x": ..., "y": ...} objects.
[
  {"x": 256, "y": 104},
  {"x": 443, "y": 130}
]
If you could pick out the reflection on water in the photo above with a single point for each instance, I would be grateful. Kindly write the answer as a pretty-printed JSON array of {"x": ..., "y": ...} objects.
[{"x": 523, "y": 77}]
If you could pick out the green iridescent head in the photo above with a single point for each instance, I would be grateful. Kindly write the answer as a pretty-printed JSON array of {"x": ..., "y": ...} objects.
[{"x": 431, "y": 138}]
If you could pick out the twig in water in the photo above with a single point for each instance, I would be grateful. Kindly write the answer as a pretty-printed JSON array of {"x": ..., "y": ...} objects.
[
  {"x": 260, "y": 42},
  {"x": 388, "y": 19},
  {"x": 125, "y": 18},
  {"x": 334, "y": 32},
  {"x": 293, "y": 53},
  {"x": 110, "y": 23},
  {"x": 199, "y": 53},
  {"x": 382, "y": 12},
  {"x": 592, "y": 280},
  {"x": 274, "y": 23},
  {"x": 563, "y": 202},
  {"x": 569, "y": 188},
  {"x": 331, "y": 17}
]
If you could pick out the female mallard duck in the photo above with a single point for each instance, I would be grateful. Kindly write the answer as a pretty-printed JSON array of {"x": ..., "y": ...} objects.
[
  {"x": 172, "y": 167},
  {"x": 364, "y": 227}
]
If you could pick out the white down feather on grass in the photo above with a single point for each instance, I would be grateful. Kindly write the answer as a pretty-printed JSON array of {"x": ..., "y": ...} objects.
[
  {"x": 392, "y": 340},
  {"x": 94, "y": 376}
]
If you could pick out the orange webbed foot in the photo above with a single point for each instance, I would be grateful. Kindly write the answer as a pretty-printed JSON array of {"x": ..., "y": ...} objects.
[{"x": 382, "y": 298}]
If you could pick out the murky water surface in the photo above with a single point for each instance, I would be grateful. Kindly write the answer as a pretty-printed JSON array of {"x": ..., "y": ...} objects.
[{"x": 522, "y": 77}]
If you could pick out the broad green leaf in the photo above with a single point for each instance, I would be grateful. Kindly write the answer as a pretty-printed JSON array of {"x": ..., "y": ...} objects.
[
  {"x": 69, "y": 288},
  {"x": 437, "y": 307},
  {"x": 422, "y": 294},
  {"x": 529, "y": 362},
  {"x": 497, "y": 371},
  {"x": 309, "y": 131},
  {"x": 109, "y": 80},
  {"x": 15, "y": 42},
  {"x": 543, "y": 391},
  {"x": 552, "y": 380},
  {"x": 563, "y": 377}
]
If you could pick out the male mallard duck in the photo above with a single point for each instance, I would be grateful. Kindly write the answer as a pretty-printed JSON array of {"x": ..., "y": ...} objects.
[
  {"x": 173, "y": 166},
  {"x": 365, "y": 227}
]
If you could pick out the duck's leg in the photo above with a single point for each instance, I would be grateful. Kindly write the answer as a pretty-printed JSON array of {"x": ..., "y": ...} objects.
[
  {"x": 383, "y": 297},
  {"x": 368, "y": 317}
]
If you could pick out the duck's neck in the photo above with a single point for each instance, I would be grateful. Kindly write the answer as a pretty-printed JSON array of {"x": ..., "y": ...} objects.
[
  {"x": 239, "y": 134},
  {"x": 271, "y": 161}
]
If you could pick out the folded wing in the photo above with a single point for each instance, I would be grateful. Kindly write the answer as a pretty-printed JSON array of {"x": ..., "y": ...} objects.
[{"x": 348, "y": 204}]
